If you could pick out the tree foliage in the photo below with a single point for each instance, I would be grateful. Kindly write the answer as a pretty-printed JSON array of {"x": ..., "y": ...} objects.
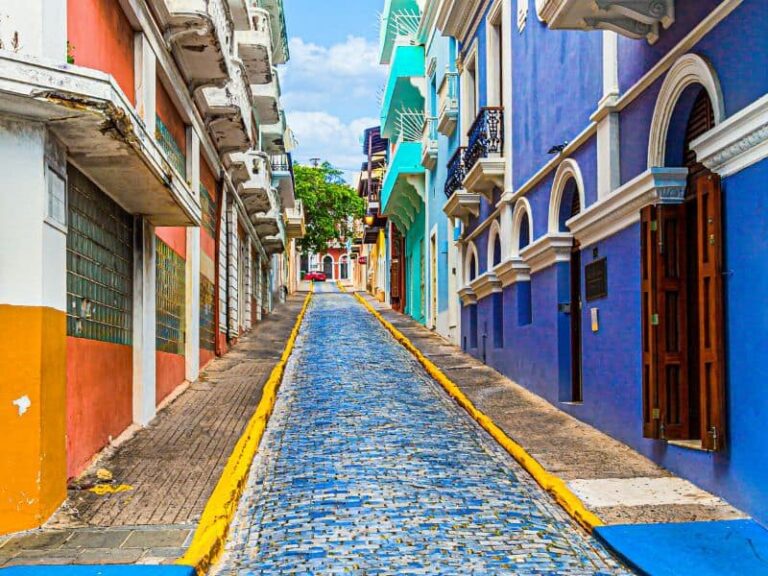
[{"x": 330, "y": 206}]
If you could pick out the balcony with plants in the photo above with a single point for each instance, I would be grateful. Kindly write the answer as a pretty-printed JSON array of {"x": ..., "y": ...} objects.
[
  {"x": 461, "y": 204},
  {"x": 484, "y": 162}
]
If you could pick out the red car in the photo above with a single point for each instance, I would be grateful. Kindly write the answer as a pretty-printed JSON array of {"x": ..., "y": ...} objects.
[{"x": 315, "y": 276}]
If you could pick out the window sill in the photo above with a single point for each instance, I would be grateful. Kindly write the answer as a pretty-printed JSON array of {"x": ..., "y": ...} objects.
[{"x": 688, "y": 445}]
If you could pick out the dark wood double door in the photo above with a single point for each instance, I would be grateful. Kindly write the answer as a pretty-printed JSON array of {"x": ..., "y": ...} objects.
[{"x": 683, "y": 332}]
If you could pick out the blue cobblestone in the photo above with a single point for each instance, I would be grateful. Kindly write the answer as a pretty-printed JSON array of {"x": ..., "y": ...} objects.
[{"x": 368, "y": 468}]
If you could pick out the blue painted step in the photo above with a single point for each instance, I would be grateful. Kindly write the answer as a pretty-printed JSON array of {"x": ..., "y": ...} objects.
[
  {"x": 730, "y": 547},
  {"x": 114, "y": 570}
]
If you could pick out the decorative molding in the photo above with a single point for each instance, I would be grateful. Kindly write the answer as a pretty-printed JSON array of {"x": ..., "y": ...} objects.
[
  {"x": 467, "y": 296},
  {"x": 462, "y": 205},
  {"x": 686, "y": 71},
  {"x": 522, "y": 14},
  {"x": 486, "y": 175},
  {"x": 455, "y": 17},
  {"x": 485, "y": 285},
  {"x": 622, "y": 208},
  {"x": 512, "y": 270},
  {"x": 493, "y": 233},
  {"x": 738, "y": 142},
  {"x": 548, "y": 250},
  {"x": 522, "y": 208},
  {"x": 567, "y": 171}
]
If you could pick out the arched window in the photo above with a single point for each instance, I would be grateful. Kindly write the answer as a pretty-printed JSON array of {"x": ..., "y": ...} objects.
[
  {"x": 494, "y": 245},
  {"x": 570, "y": 204},
  {"x": 525, "y": 232},
  {"x": 472, "y": 267},
  {"x": 328, "y": 266}
]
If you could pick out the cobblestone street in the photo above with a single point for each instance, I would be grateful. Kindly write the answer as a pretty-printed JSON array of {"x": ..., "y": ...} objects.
[{"x": 368, "y": 468}]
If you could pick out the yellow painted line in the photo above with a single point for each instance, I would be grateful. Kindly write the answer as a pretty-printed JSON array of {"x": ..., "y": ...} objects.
[
  {"x": 555, "y": 486},
  {"x": 211, "y": 534}
]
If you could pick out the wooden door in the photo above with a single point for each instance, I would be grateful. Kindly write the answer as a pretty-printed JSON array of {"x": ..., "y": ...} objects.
[
  {"x": 710, "y": 310},
  {"x": 666, "y": 374}
]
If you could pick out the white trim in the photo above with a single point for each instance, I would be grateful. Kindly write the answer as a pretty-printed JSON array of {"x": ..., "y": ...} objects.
[
  {"x": 485, "y": 285},
  {"x": 471, "y": 250},
  {"x": 548, "y": 250},
  {"x": 467, "y": 116},
  {"x": 688, "y": 70},
  {"x": 622, "y": 208},
  {"x": 700, "y": 31},
  {"x": 738, "y": 142},
  {"x": 493, "y": 233},
  {"x": 512, "y": 270},
  {"x": 522, "y": 207},
  {"x": 493, "y": 43},
  {"x": 568, "y": 170}
]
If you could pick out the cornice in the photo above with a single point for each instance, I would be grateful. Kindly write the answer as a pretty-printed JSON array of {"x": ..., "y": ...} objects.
[
  {"x": 547, "y": 250},
  {"x": 512, "y": 270},
  {"x": 621, "y": 208},
  {"x": 485, "y": 285},
  {"x": 467, "y": 296},
  {"x": 455, "y": 17},
  {"x": 738, "y": 142}
]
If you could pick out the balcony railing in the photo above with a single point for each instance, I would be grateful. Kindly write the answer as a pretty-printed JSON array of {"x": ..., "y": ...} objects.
[
  {"x": 456, "y": 172},
  {"x": 449, "y": 104},
  {"x": 281, "y": 163},
  {"x": 486, "y": 136},
  {"x": 429, "y": 143}
]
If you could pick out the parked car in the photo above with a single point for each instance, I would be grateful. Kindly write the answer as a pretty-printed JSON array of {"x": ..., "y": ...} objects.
[{"x": 315, "y": 276}]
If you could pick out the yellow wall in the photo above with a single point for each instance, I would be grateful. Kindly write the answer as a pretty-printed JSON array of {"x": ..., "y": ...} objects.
[{"x": 32, "y": 451}]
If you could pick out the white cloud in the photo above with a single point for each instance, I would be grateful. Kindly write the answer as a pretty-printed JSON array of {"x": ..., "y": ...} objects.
[
  {"x": 323, "y": 135},
  {"x": 330, "y": 97},
  {"x": 354, "y": 58}
]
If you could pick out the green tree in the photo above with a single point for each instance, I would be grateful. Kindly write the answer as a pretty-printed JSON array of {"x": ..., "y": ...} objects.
[{"x": 330, "y": 206}]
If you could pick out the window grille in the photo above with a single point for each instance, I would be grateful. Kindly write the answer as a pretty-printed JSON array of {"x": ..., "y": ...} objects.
[
  {"x": 170, "y": 147},
  {"x": 208, "y": 205},
  {"x": 99, "y": 264},
  {"x": 207, "y": 311},
  {"x": 170, "y": 299}
]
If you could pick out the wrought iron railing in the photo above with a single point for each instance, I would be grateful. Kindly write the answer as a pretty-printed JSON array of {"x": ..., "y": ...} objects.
[
  {"x": 456, "y": 172},
  {"x": 486, "y": 136},
  {"x": 374, "y": 190}
]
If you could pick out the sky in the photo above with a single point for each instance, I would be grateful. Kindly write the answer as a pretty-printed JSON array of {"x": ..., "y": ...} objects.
[{"x": 331, "y": 83}]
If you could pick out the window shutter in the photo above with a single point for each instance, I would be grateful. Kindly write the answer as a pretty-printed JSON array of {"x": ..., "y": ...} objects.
[
  {"x": 651, "y": 406},
  {"x": 711, "y": 328}
]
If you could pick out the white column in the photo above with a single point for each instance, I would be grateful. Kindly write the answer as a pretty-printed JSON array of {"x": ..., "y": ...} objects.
[
  {"x": 233, "y": 251},
  {"x": 506, "y": 39},
  {"x": 192, "y": 341},
  {"x": 144, "y": 322},
  {"x": 145, "y": 72},
  {"x": 608, "y": 144}
]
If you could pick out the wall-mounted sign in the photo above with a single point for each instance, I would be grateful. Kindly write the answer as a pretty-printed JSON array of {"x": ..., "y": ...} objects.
[
  {"x": 596, "y": 279},
  {"x": 362, "y": 260}
]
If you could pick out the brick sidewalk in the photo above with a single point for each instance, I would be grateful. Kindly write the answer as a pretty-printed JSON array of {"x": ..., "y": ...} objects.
[
  {"x": 618, "y": 484},
  {"x": 172, "y": 465}
]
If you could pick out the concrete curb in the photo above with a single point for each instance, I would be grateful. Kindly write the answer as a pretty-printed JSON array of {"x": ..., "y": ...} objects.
[
  {"x": 552, "y": 484},
  {"x": 210, "y": 537}
]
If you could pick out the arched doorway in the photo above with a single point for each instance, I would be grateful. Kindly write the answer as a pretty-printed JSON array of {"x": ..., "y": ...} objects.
[
  {"x": 683, "y": 332},
  {"x": 328, "y": 267},
  {"x": 570, "y": 206}
]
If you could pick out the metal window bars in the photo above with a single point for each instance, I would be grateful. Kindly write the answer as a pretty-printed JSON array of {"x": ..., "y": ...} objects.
[{"x": 456, "y": 172}]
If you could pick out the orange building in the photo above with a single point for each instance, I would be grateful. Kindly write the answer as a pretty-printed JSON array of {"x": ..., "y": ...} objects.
[{"x": 156, "y": 212}]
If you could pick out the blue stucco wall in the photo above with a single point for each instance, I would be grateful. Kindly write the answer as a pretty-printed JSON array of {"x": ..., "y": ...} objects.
[{"x": 559, "y": 93}]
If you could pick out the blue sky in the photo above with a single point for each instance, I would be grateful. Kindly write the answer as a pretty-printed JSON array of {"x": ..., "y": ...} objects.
[{"x": 331, "y": 83}]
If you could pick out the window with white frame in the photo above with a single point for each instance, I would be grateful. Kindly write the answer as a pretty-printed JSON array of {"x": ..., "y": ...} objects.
[{"x": 56, "y": 211}]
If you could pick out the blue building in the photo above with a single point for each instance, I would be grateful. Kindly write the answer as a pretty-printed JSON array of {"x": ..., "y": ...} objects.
[{"x": 613, "y": 223}]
